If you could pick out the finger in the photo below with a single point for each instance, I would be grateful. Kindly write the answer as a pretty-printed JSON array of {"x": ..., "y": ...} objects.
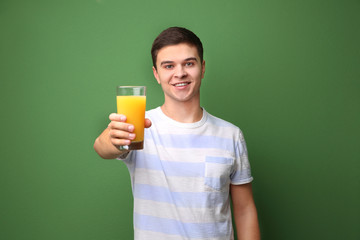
[
  {"x": 120, "y": 142},
  {"x": 121, "y": 126},
  {"x": 121, "y": 134},
  {"x": 147, "y": 123},
  {"x": 117, "y": 117}
]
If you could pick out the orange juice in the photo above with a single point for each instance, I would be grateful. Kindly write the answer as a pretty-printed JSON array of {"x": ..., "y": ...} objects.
[{"x": 133, "y": 107}]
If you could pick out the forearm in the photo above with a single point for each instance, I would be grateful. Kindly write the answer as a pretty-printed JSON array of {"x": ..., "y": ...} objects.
[{"x": 105, "y": 148}]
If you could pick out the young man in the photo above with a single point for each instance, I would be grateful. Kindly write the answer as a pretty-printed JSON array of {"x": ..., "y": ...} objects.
[{"x": 192, "y": 162}]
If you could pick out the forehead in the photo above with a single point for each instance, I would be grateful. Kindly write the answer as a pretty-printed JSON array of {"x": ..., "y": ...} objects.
[{"x": 177, "y": 52}]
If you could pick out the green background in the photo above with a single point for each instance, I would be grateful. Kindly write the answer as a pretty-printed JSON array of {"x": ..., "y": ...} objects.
[{"x": 286, "y": 72}]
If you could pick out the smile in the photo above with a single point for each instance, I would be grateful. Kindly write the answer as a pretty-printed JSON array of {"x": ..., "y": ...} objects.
[{"x": 181, "y": 84}]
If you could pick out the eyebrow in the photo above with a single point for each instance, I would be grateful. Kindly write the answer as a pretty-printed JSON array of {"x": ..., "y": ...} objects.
[
  {"x": 187, "y": 59},
  {"x": 191, "y": 58},
  {"x": 166, "y": 62}
]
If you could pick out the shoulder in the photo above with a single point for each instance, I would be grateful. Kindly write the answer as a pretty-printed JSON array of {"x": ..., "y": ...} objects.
[
  {"x": 152, "y": 113},
  {"x": 216, "y": 121},
  {"x": 225, "y": 127}
]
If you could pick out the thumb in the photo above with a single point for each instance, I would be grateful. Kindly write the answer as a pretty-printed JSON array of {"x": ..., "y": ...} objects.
[{"x": 147, "y": 123}]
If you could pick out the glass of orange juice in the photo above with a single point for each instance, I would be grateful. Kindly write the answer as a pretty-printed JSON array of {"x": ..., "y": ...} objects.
[{"x": 131, "y": 102}]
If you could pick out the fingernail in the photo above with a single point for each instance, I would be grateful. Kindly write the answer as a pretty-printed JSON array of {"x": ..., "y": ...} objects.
[
  {"x": 131, "y": 135},
  {"x": 131, "y": 128}
]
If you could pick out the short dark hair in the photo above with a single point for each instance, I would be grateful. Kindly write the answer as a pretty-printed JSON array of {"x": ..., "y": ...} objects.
[{"x": 174, "y": 36}]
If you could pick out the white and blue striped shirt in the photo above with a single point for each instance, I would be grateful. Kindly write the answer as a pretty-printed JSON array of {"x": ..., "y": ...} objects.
[{"x": 180, "y": 180}]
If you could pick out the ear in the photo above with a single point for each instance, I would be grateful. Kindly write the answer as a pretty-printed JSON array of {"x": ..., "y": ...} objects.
[
  {"x": 156, "y": 75},
  {"x": 203, "y": 69}
]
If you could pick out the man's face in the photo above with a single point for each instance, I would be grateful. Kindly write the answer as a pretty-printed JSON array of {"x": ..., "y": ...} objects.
[{"x": 179, "y": 72}]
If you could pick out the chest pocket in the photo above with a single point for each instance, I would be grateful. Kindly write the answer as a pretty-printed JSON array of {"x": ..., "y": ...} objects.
[{"x": 217, "y": 172}]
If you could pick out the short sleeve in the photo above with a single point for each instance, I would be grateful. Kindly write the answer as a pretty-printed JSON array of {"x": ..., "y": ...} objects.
[
  {"x": 125, "y": 156},
  {"x": 241, "y": 171}
]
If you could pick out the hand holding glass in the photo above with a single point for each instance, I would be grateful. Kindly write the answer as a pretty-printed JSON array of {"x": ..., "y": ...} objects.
[{"x": 131, "y": 102}]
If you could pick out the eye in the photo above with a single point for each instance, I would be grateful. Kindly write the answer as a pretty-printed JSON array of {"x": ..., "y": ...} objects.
[
  {"x": 189, "y": 64},
  {"x": 169, "y": 66}
]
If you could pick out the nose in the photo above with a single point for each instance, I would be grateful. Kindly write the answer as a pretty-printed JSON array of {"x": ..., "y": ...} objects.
[{"x": 180, "y": 72}]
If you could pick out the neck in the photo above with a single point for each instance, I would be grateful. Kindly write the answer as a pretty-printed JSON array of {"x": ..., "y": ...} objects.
[{"x": 185, "y": 113}]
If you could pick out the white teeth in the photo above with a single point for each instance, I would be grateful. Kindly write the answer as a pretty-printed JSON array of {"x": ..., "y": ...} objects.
[{"x": 181, "y": 84}]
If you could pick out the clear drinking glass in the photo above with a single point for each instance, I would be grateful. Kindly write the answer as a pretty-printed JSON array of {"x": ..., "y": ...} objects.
[{"x": 131, "y": 102}]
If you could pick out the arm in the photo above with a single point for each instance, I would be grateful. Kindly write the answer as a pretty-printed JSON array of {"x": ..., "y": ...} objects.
[
  {"x": 118, "y": 133},
  {"x": 245, "y": 213}
]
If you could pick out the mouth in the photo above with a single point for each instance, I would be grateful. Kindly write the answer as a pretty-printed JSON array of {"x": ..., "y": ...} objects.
[{"x": 181, "y": 84}]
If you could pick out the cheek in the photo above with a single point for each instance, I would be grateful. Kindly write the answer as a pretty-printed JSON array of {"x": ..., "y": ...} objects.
[
  {"x": 196, "y": 73},
  {"x": 164, "y": 76}
]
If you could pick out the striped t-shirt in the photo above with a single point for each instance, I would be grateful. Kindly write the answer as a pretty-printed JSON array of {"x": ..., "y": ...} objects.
[{"x": 180, "y": 180}]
